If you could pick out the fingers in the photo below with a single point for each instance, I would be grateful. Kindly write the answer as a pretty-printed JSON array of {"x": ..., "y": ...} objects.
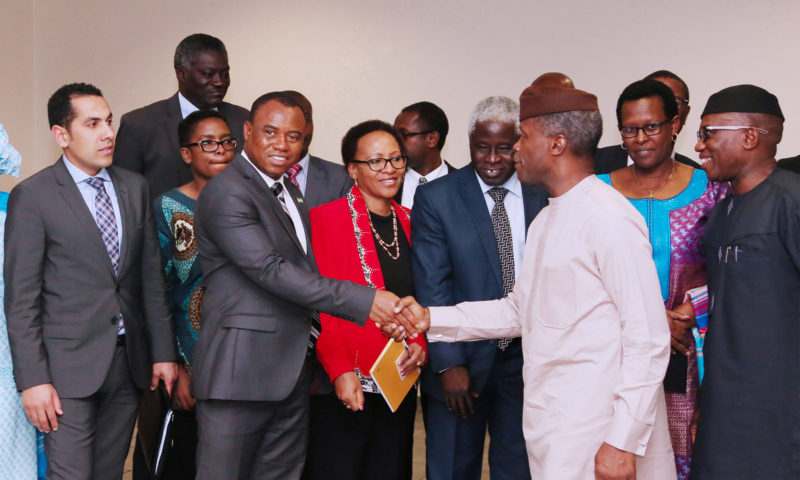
[
  {"x": 360, "y": 398},
  {"x": 679, "y": 347}
]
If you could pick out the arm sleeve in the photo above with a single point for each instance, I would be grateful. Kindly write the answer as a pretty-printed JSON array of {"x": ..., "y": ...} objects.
[
  {"x": 624, "y": 258},
  {"x": 470, "y": 321},
  {"x": 433, "y": 274},
  {"x": 25, "y": 249}
]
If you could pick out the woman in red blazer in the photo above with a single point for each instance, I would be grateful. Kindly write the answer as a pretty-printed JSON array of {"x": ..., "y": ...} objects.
[{"x": 363, "y": 237}]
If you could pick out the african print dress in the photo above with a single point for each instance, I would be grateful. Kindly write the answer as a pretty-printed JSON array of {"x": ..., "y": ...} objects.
[
  {"x": 174, "y": 213},
  {"x": 676, "y": 227}
]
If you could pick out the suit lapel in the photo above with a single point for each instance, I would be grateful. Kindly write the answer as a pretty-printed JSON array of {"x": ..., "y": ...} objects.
[
  {"x": 263, "y": 191},
  {"x": 126, "y": 212},
  {"x": 297, "y": 197},
  {"x": 314, "y": 182},
  {"x": 72, "y": 197},
  {"x": 472, "y": 196},
  {"x": 172, "y": 120}
]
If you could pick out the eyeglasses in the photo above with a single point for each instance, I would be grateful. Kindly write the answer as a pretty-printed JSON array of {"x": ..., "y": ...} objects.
[
  {"x": 213, "y": 145},
  {"x": 405, "y": 134},
  {"x": 702, "y": 133},
  {"x": 682, "y": 101},
  {"x": 378, "y": 164},
  {"x": 650, "y": 129}
]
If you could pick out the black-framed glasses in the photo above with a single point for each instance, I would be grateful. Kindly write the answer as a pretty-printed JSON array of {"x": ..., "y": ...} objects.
[
  {"x": 405, "y": 134},
  {"x": 378, "y": 164},
  {"x": 213, "y": 145},
  {"x": 651, "y": 129},
  {"x": 702, "y": 133}
]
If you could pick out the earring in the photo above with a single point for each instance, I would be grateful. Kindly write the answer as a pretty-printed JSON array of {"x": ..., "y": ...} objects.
[
  {"x": 355, "y": 180},
  {"x": 674, "y": 137}
]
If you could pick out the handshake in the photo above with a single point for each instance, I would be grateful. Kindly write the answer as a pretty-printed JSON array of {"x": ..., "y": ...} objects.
[{"x": 399, "y": 318}]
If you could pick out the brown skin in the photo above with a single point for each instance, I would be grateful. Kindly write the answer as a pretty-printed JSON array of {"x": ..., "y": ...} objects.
[
  {"x": 423, "y": 156},
  {"x": 308, "y": 110},
  {"x": 378, "y": 189},
  {"x": 743, "y": 157},
  {"x": 273, "y": 141},
  {"x": 491, "y": 149},
  {"x": 205, "y": 165},
  {"x": 680, "y": 93},
  {"x": 206, "y": 79}
]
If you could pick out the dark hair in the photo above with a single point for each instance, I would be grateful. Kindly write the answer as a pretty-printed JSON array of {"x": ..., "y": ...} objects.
[
  {"x": 667, "y": 74},
  {"x": 196, "y": 42},
  {"x": 431, "y": 118},
  {"x": 644, "y": 89},
  {"x": 351, "y": 138},
  {"x": 59, "y": 107},
  {"x": 302, "y": 102},
  {"x": 284, "y": 98},
  {"x": 188, "y": 125}
]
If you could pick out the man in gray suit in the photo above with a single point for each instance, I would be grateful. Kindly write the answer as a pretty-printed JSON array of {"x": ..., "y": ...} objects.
[
  {"x": 252, "y": 361},
  {"x": 88, "y": 321},
  {"x": 319, "y": 180},
  {"x": 147, "y": 142}
]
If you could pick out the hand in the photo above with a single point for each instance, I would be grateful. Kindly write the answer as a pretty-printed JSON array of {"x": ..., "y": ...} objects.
[
  {"x": 42, "y": 406},
  {"x": 681, "y": 320},
  {"x": 166, "y": 371},
  {"x": 384, "y": 312},
  {"x": 348, "y": 390},
  {"x": 455, "y": 390},
  {"x": 414, "y": 358},
  {"x": 611, "y": 463},
  {"x": 181, "y": 395},
  {"x": 414, "y": 313}
]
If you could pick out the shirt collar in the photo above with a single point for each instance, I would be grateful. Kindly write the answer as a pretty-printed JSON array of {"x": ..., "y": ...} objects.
[
  {"x": 304, "y": 162},
  {"x": 269, "y": 180},
  {"x": 188, "y": 107},
  {"x": 437, "y": 172},
  {"x": 79, "y": 175},
  {"x": 513, "y": 185}
]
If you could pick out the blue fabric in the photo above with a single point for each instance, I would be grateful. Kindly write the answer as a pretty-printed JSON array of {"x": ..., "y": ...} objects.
[{"x": 656, "y": 214}]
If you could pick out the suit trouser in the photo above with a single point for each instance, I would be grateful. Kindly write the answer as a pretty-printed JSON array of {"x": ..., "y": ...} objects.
[
  {"x": 454, "y": 445},
  {"x": 254, "y": 440},
  {"x": 94, "y": 434}
]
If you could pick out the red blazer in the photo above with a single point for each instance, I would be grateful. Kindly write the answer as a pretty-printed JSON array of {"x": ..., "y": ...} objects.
[{"x": 343, "y": 346}]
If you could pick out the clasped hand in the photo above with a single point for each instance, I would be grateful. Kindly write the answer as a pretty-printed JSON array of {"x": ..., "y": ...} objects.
[{"x": 399, "y": 318}]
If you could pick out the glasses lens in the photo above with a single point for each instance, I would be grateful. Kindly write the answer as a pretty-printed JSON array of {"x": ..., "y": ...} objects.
[
  {"x": 628, "y": 132},
  {"x": 229, "y": 144},
  {"x": 652, "y": 129},
  {"x": 398, "y": 162},
  {"x": 209, "y": 146},
  {"x": 377, "y": 164}
]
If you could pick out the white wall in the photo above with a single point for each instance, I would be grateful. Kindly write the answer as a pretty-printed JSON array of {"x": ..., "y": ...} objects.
[{"x": 360, "y": 59}]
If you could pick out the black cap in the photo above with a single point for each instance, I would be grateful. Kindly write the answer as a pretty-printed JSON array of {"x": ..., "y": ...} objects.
[{"x": 743, "y": 99}]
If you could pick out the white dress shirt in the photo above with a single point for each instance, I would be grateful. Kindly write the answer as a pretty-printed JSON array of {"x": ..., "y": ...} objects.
[
  {"x": 294, "y": 214},
  {"x": 188, "y": 107},
  {"x": 411, "y": 182}
]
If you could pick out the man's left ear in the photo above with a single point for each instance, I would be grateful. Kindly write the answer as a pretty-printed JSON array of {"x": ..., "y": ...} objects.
[{"x": 432, "y": 139}]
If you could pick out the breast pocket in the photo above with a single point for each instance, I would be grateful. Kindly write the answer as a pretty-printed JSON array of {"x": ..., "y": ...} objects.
[
  {"x": 556, "y": 297},
  {"x": 259, "y": 323}
]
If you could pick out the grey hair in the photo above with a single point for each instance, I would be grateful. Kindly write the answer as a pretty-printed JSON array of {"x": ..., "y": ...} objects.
[
  {"x": 495, "y": 109},
  {"x": 583, "y": 129}
]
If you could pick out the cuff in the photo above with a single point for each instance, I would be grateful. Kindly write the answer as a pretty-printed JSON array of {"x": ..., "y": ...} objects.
[{"x": 628, "y": 434}]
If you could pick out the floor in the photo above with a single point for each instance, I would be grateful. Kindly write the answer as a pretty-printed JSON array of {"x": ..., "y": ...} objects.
[{"x": 419, "y": 453}]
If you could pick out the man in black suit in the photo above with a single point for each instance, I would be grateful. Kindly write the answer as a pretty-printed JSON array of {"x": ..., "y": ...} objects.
[
  {"x": 319, "y": 180},
  {"x": 252, "y": 361},
  {"x": 614, "y": 157},
  {"x": 147, "y": 142},
  {"x": 792, "y": 164},
  {"x": 423, "y": 127},
  {"x": 88, "y": 320}
]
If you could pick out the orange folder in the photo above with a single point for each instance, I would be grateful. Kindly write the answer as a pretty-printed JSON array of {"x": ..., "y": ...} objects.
[{"x": 386, "y": 373}]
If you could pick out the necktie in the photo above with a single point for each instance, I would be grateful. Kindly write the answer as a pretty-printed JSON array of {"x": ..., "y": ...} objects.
[
  {"x": 422, "y": 181},
  {"x": 316, "y": 325},
  {"x": 293, "y": 171},
  {"x": 106, "y": 220},
  {"x": 502, "y": 234}
]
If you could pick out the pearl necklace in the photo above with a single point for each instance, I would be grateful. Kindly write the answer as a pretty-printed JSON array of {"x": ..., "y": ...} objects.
[{"x": 387, "y": 246}]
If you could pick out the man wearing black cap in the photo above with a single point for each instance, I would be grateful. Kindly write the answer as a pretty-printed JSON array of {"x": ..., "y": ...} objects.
[
  {"x": 587, "y": 304},
  {"x": 750, "y": 404}
]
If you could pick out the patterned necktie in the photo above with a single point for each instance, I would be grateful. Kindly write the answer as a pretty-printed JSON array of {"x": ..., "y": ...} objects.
[
  {"x": 106, "y": 220},
  {"x": 422, "y": 181},
  {"x": 293, "y": 171},
  {"x": 505, "y": 247}
]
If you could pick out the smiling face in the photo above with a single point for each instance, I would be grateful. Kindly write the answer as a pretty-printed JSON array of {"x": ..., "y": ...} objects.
[
  {"x": 377, "y": 186},
  {"x": 720, "y": 152},
  {"x": 207, "y": 164},
  {"x": 648, "y": 151},
  {"x": 206, "y": 79},
  {"x": 88, "y": 141},
  {"x": 274, "y": 139},
  {"x": 491, "y": 147}
]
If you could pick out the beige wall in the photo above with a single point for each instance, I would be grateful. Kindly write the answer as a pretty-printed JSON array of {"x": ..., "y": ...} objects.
[{"x": 366, "y": 59}]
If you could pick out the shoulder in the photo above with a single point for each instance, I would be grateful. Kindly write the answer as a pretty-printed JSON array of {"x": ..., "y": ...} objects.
[
  {"x": 234, "y": 112},
  {"x": 791, "y": 163},
  {"x": 786, "y": 183},
  {"x": 143, "y": 116},
  {"x": 327, "y": 166},
  {"x": 330, "y": 210},
  {"x": 453, "y": 180},
  {"x": 127, "y": 177},
  {"x": 605, "y": 206}
]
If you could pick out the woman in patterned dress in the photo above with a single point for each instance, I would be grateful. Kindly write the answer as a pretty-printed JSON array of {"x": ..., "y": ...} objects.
[
  {"x": 675, "y": 200},
  {"x": 207, "y": 147}
]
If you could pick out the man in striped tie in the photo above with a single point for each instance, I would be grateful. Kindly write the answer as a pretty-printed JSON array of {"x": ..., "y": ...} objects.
[{"x": 88, "y": 321}]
